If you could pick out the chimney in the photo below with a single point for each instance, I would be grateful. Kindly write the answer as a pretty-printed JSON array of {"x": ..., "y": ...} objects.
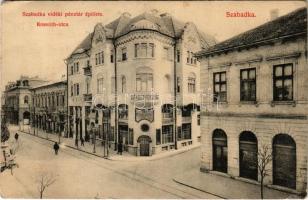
[{"x": 274, "y": 14}]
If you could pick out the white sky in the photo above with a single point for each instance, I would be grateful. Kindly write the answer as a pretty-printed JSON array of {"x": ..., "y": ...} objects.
[{"x": 31, "y": 50}]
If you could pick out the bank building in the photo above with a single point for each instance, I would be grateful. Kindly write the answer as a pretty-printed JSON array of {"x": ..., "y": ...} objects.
[{"x": 135, "y": 81}]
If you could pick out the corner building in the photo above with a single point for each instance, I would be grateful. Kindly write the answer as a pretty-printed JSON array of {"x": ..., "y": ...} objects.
[
  {"x": 257, "y": 97},
  {"x": 143, "y": 70}
]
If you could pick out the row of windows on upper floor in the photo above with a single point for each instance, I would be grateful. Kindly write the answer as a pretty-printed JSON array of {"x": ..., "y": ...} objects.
[
  {"x": 49, "y": 101},
  {"x": 144, "y": 83},
  {"x": 282, "y": 84},
  {"x": 142, "y": 50}
]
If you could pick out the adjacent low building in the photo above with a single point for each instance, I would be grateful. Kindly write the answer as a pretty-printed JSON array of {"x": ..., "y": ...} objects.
[
  {"x": 49, "y": 107},
  {"x": 255, "y": 97},
  {"x": 142, "y": 70}
]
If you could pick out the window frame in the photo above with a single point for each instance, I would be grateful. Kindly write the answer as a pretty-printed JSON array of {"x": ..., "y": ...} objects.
[
  {"x": 216, "y": 94},
  {"x": 250, "y": 81},
  {"x": 283, "y": 78}
]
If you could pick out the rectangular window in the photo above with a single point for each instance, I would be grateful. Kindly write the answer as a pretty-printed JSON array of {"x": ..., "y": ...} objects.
[
  {"x": 124, "y": 54},
  {"x": 158, "y": 137},
  {"x": 198, "y": 120},
  {"x": 178, "y": 84},
  {"x": 178, "y": 53},
  {"x": 167, "y": 134},
  {"x": 220, "y": 87},
  {"x": 77, "y": 89},
  {"x": 57, "y": 100},
  {"x": 88, "y": 63},
  {"x": 186, "y": 131},
  {"x": 191, "y": 57},
  {"x": 283, "y": 82},
  {"x": 72, "y": 69},
  {"x": 96, "y": 59},
  {"x": 248, "y": 84},
  {"x": 166, "y": 53},
  {"x": 102, "y": 57},
  {"x": 136, "y": 50},
  {"x": 191, "y": 85},
  {"x": 72, "y": 90},
  {"x": 100, "y": 85},
  {"x": 188, "y": 56},
  {"x": 143, "y": 50},
  {"x": 151, "y": 50},
  {"x": 111, "y": 56}
]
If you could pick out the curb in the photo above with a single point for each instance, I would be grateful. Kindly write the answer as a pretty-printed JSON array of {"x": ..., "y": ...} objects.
[
  {"x": 69, "y": 146},
  {"x": 199, "y": 189}
]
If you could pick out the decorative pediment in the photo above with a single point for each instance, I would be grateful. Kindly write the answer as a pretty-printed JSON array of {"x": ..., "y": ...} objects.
[
  {"x": 99, "y": 34},
  {"x": 191, "y": 37}
]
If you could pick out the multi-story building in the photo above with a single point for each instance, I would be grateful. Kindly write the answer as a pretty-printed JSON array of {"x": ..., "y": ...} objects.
[
  {"x": 139, "y": 68},
  {"x": 255, "y": 98},
  {"x": 17, "y": 99},
  {"x": 49, "y": 107}
]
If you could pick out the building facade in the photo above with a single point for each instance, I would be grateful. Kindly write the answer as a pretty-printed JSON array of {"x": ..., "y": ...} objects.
[
  {"x": 49, "y": 107},
  {"x": 17, "y": 99},
  {"x": 255, "y": 99},
  {"x": 127, "y": 77}
]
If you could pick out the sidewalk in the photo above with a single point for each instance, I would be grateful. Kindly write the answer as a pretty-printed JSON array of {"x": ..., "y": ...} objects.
[
  {"x": 227, "y": 188},
  {"x": 88, "y": 148}
]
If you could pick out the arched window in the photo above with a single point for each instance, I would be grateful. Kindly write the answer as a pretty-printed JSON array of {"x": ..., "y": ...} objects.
[
  {"x": 26, "y": 99},
  {"x": 123, "y": 84},
  {"x": 248, "y": 146},
  {"x": 284, "y": 161},
  {"x": 220, "y": 151}
]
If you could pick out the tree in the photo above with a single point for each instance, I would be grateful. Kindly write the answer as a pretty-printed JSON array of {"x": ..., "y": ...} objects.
[
  {"x": 264, "y": 158},
  {"x": 5, "y": 133},
  {"x": 45, "y": 180}
]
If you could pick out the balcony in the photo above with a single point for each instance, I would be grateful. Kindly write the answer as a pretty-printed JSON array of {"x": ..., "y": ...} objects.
[
  {"x": 87, "y": 71},
  {"x": 87, "y": 97}
]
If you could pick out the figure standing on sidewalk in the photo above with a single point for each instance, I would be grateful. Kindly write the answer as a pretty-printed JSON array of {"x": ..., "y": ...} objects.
[
  {"x": 82, "y": 141},
  {"x": 16, "y": 136},
  {"x": 56, "y": 148}
]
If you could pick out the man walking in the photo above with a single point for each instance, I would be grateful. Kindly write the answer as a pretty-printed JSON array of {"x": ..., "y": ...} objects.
[
  {"x": 56, "y": 148},
  {"x": 16, "y": 136}
]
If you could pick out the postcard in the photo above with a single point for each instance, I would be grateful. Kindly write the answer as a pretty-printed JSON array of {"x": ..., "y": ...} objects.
[{"x": 154, "y": 99}]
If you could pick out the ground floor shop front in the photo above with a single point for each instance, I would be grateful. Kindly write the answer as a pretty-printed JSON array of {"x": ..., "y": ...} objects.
[
  {"x": 140, "y": 132},
  {"x": 235, "y": 145}
]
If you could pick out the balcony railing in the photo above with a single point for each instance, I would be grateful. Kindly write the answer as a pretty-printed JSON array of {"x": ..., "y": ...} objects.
[
  {"x": 87, "y": 71},
  {"x": 87, "y": 97}
]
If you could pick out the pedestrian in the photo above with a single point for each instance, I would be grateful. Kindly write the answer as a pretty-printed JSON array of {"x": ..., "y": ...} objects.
[
  {"x": 120, "y": 148},
  {"x": 16, "y": 136},
  {"x": 87, "y": 137},
  {"x": 56, "y": 148},
  {"x": 82, "y": 141}
]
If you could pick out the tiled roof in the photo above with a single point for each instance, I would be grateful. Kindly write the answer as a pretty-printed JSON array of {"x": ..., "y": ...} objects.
[
  {"x": 290, "y": 24},
  {"x": 163, "y": 23}
]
